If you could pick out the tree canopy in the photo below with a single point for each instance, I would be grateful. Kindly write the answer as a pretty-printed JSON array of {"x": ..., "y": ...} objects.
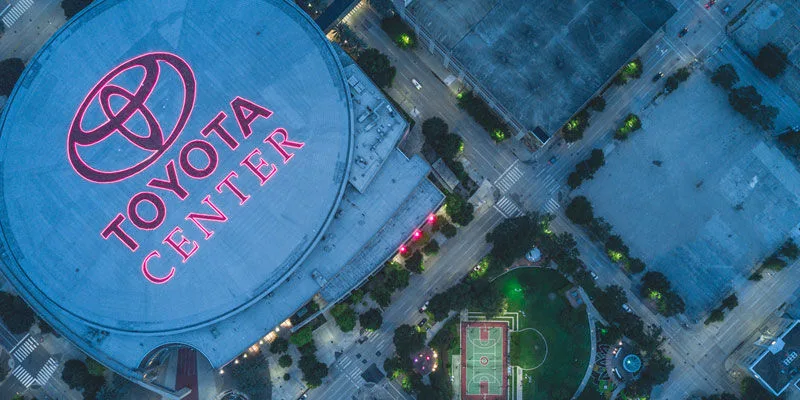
[
  {"x": 512, "y": 238},
  {"x": 302, "y": 337},
  {"x": 771, "y": 60},
  {"x": 313, "y": 370},
  {"x": 747, "y": 101},
  {"x": 580, "y": 210},
  {"x": 344, "y": 316},
  {"x": 377, "y": 67},
  {"x": 73, "y": 7},
  {"x": 76, "y": 375},
  {"x": 10, "y": 71},
  {"x": 725, "y": 75},
  {"x": 16, "y": 314},
  {"x": 371, "y": 319},
  {"x": 278, "y": 346},
  {"x": 459, "y": 209},
  {"x": 414, "y": 263},
  {"x": 407, "y": 339},
  {"x": 251, "y": 375}
]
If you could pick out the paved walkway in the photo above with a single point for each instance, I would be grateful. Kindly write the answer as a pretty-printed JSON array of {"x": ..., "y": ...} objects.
[{"x": 593, "y": 315}]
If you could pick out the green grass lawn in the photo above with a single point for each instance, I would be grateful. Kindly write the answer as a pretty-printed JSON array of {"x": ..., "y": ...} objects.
[
  {"x": 538, "y": 292},
  {"x": 527, "y": 349}
]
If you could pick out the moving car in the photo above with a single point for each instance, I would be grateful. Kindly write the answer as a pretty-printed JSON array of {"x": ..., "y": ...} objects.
[
  {"x": 726, "y": 10},
  {"x": 710, "y": 3},
  {"x": 416, "y": 84},
  {"x": 424, "y": 306},
  {"x": 552, "y": 160},
  {"x": 658, "y": 76},
  {"x": 594, "y": 276},
  {"x": 683, "y": 32},
  {"x": 422, "y": 323},
  {"x": 627, "y": 308}
]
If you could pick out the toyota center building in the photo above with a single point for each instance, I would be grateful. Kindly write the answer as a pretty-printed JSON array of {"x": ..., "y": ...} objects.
[{"x": 191, "y": 173}]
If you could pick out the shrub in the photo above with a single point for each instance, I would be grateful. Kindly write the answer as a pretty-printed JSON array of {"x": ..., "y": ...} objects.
[
  {"x": 286, "y": 377},
  {"x": 285, "y": 361}
]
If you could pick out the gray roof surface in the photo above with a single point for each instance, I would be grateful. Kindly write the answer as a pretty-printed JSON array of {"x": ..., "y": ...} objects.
[
  {"x": 72, "y": 266},
  {"x": 541, "y": 60}
]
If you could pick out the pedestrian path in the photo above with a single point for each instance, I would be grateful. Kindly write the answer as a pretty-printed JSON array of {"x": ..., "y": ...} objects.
[
  {"x": 47, "y": 371},
  {"x": 24, "y": 348},
  {"x": 23, "y": 376},
  {"x": 508, "y": 178},
  {"x": 351, "y": 369},
  {"x": 507, "y": 208},
  {"x": 551, "y": 207},
  {"x": 16, "y": 11}
]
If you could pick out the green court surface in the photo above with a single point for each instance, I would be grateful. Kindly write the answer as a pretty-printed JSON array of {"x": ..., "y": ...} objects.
[{"x": 484, "y": 361}]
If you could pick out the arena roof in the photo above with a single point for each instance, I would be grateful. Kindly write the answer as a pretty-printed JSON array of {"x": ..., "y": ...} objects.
[
  {"x": 138, "y": 116},
  {"x": 779, "y": 364}
]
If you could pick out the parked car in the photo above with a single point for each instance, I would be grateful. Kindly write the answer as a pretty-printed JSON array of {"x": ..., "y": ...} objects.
[
  {"x": 362, "y": 339},
  {"x": 594, "y": 276},
  {"x": 416, "y": 84},
  {"x": 552, "y": 160},
  {"x": 683, "y": 32},
  {"x": 627, "y": 308},
  {"x": 710, "y": 3},
  {"x": 726, "y": 9},
  {"x": 422, "y": 323},
  {"x": 424, "y": 307}
]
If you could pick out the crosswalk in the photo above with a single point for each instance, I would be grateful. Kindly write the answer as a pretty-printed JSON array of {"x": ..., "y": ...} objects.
[
  {"x": 551, "y": 207},
  {"x": 16, "y": 11},
  {"x": 507, "y": 207},
  {"x": 24, "y": 377},
  {"x": 508, "y": 178},
  {"x": 24, "y": 348},
  {"x": 47, "y": 371},
  {"x": 351, "y": 368}
]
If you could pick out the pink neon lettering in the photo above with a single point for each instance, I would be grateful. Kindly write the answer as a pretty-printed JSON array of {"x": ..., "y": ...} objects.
[
  {"x": 178, "y": 247},
  {"x": 115, "y": 228},
  {"x": 285, "y": 142},
  {"x": 219, "y": 217},
  {"x": 207, "y": 149},
  {"x": 227, "y": 183},
  {"x": 216, "y": 126},
  {"x": 152, "y": 278},
  {"x": 256, "y": 169},
  {"x": 171, "y": 184},
  {"x": 155, "y": 201},
  {"x": 246, "y": 112}
]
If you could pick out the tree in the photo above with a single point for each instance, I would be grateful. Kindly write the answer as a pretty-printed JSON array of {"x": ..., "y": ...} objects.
[
  {"x": 448, "y": 230},
  {"x": 94, "y": 367},
  {"x": 730, "y": 302},
  {"x": 377, "y": 67},
  {"x": 371, "y": 320},
  {"x": 747, "y": 102},
  {"x": 414, "y": 263},
  {"x": 458, "y": 209},
  {"x": 654, "y": 281},
  {"x": 348, "y": 40},
  {"x": 774, "y": 263},
  {"x": 574, "y": 128},
  {"x": 382, "y": 295},
  {"x": 395, "y": 276},
  {"x": 681, "y": 75},
  {"x": 302, "y": 337},
  {"x": 434, "y": 128},
  {"x": 73, "y": 7},
  {"x": 407, "y": 339},
  {"x": 431, "y": 248},
  {"x": 313, "y": 370},
  {"x": 76, "y": 375},
  {"x": 722, "y": 396},
  {"x": 344, "y": 316},
  {"x": 609, "y": 302},
  {"x": 725, "y": 75},
  {"x": 616, "y": 248},
  {"x": 580, "y": 210},
  {"x": 285, "y": 361},
  {"x": 771, "y": 60},
  {"x": 790, "y": 250},
  {"x": 512, "y": 238},
  {"x": 636, "y": 265},
  {"x": 16, "y": 314},
  {"x": 597, "y": 104},
  {"x": 278, "y": 346},
  {"x": 10, "y": 71}
]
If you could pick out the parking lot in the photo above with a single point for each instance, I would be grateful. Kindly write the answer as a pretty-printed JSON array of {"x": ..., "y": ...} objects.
[{"x": 721, "y": 199}]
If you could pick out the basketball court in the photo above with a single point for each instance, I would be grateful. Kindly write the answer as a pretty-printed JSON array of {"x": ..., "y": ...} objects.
[{"x": 484, "y": 361}]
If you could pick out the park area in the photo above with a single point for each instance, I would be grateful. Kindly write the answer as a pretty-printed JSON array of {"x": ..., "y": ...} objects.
[
  {"x": 550, "y": 342},
  {"x": 701, "y": 194}
]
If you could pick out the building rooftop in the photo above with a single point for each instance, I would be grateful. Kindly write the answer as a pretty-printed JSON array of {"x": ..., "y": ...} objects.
[
  {"x": 541, "y": 60},
  {"x": 193, "y": 94},
  {"x": 779, "y": 365}
]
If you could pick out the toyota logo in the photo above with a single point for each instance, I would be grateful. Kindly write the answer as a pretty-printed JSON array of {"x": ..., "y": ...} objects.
[{"x": 154, "y": 142}]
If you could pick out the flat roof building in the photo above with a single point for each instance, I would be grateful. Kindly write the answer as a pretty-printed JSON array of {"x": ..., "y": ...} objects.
[
  {"x": 190, "y": 174},
  {"x": 779, "y": 364},
  {"x": 536, "y": 63}
]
